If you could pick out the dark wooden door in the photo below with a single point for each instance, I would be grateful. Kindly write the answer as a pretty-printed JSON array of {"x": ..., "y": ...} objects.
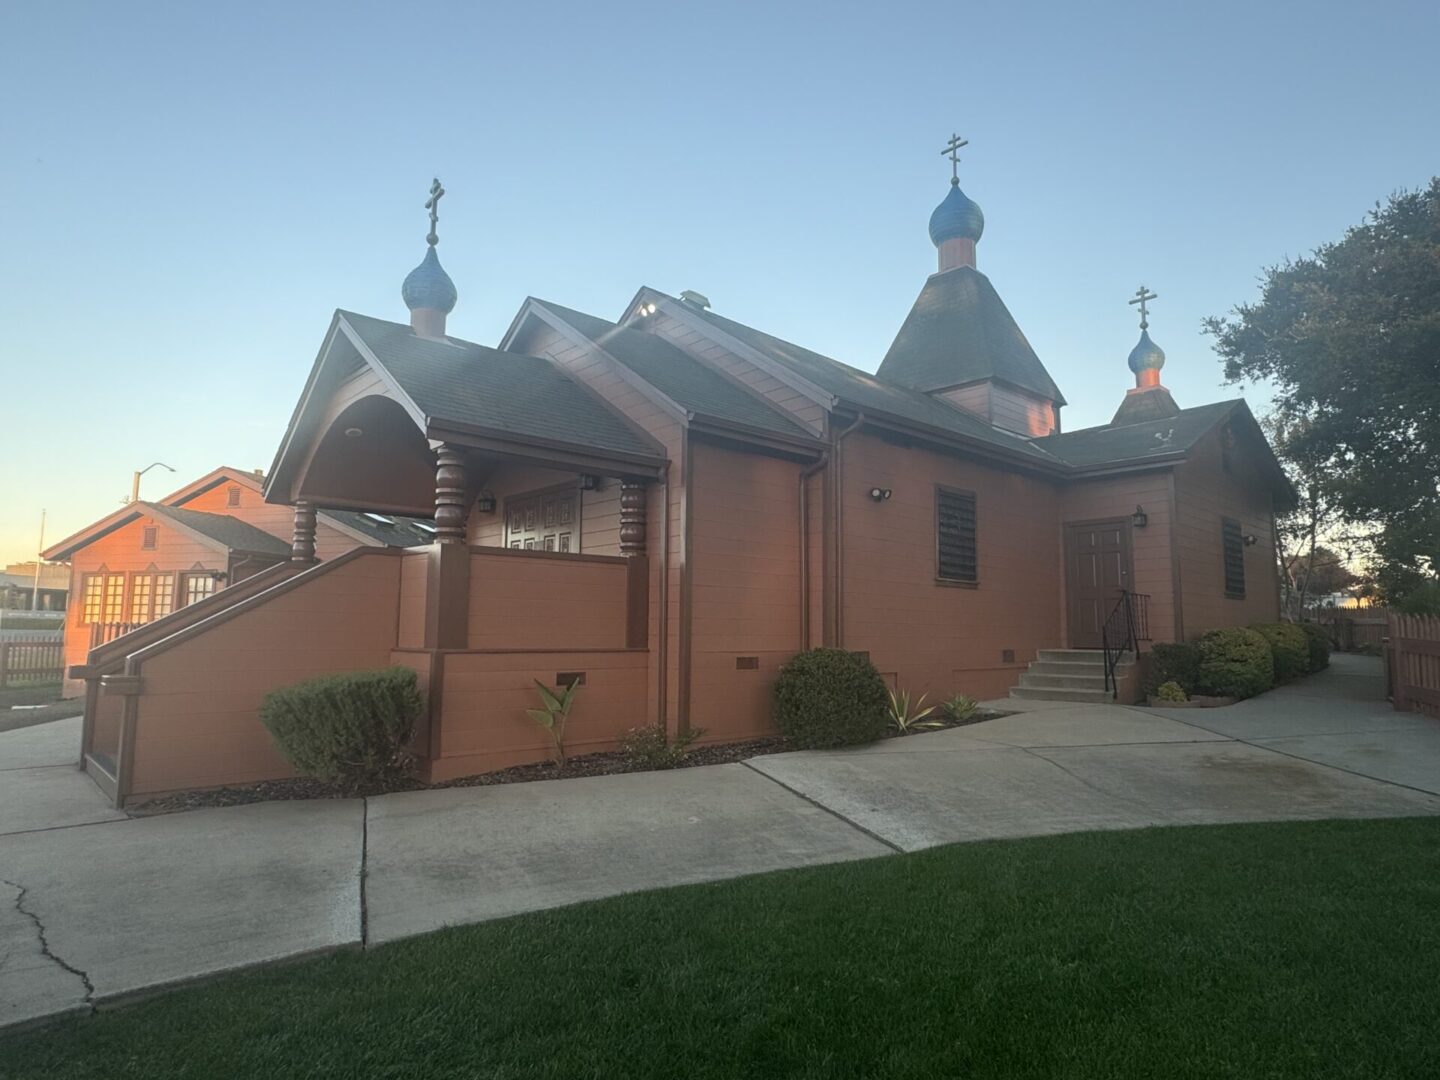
[
  {"x": 1097, "y": 567},
  {"x": 548, "y": 521}
]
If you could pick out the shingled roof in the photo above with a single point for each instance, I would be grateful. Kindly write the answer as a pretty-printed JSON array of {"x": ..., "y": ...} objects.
[
  {"x": 400, "y": 532},
  {"x": 1167, "y": 437},
  {"x": 959, "y": 331},
  {"x": 688, "y": 382},
  {"x": 474, "y": 386},
  {"x": 871, "y": 393},
  {"x": 227, "y": 531}
]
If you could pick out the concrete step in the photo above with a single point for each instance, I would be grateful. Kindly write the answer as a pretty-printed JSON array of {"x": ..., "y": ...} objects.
[
  {"x": 1078, "y": 656},
  {"x": 1038, "y": 681},
  {"x": 1060, "y": 667},
  {"x": 1089, "y": 697}
]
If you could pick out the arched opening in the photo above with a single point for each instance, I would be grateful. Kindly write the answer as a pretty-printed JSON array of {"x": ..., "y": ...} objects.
[{"x": 372, "y": 457}]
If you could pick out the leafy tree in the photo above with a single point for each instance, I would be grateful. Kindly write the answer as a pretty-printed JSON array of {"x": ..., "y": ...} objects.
[
  {"x": 1320, "y": 573},
  {"x": 1350, "y": 339}
]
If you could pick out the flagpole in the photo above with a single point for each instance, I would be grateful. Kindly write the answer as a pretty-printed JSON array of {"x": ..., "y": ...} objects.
[{"x": 35, "y": 593}]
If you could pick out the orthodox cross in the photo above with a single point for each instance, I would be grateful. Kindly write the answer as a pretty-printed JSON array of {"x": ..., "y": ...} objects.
[
  {"x": 433, "y": 205},
  {"x": 1142, "y": 296},
  {"x": 952, "y": 151}
]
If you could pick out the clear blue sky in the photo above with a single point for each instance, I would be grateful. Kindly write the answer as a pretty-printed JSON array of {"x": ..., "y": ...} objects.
[{"x": 187, "y": 190}]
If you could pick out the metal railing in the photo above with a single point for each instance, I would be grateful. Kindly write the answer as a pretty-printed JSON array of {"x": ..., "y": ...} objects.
[{"x": 1127, "y": 625}]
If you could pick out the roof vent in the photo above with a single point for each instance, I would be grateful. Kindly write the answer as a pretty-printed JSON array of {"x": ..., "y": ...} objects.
[{"x": 695, "y": 299}]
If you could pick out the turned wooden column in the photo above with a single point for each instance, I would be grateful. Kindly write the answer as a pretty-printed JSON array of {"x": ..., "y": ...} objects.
[
  {"x": 632, "y": 518},
  {"x": 302, "y": 544},
  {"x": 637, "y": 575},
  {"x": 451, "y": 509}
]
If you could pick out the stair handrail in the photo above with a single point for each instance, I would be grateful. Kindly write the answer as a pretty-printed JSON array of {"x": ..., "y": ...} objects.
[{"x": 1124, "y": 628}]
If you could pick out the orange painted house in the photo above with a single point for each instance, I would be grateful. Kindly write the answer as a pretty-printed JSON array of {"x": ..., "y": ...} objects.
[
  {"x": 147, "y": 560},
  {"x": 666, "y": 506}
]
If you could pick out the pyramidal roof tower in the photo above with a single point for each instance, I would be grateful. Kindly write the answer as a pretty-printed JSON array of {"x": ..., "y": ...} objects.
[
  {"x": 1149, "y": 400},
  {"x": 959, "y": 341}
]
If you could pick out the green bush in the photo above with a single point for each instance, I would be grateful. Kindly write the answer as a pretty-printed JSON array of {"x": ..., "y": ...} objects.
[
  {"x": 830, "y": 697},
  {"x": 1171, "y": 691},
  {"x": 1290, "y": 646},
  {"x": 1317, "y": 638},
  {"x": 348, "y": 729},
  {"x": 1177, "y": 662},
  {"x": 649, "y": 747},
  {"x": 960, "y": 708},
  {"x": 1235, "y": 662}
]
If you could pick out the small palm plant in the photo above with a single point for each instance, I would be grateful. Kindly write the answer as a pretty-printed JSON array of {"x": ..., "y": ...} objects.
[
  {"x": 554, "y": 714},
  {"x": 960, "y": 708},
  {"x": 907, "y": 718}
]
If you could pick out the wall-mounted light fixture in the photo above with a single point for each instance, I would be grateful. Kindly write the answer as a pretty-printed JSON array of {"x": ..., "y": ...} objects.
[
  {"x": 880, "y": 494},
  {"x": 353, "y": 432},
  {"x": 1139, "y": 518},
  {"x": 1251, "y": 539},
  {"x": 485, "y": 502}
]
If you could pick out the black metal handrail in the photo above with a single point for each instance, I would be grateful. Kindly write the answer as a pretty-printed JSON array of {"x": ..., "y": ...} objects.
[{"x": 1125, "y": 627}]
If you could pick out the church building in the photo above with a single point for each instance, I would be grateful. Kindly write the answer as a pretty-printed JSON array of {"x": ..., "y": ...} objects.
[{"x": 666, "y": 504}]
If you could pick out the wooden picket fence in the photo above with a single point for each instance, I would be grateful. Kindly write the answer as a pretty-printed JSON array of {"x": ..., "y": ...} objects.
[
  {"x": 1413, "y": 663},
  {"x": 35, "y": 661}
]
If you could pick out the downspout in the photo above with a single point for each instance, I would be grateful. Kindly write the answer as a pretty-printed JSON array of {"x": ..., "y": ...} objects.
[
  {"x": 662, "y": 647},
  {"x": 837, "y": 541},
  {"x": 805, "y": 475}
]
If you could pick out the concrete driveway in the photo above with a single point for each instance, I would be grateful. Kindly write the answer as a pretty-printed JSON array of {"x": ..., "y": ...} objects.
[{"x": 96, "y": 907}]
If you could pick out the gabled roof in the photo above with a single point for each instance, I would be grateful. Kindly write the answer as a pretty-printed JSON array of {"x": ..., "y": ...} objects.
[
  {"x": 221, "y": 532},
  {"x": 458, "y": 382},
  {"x": 399, "y": 532},
  {"x": 958, "y": 332},
  {"x": 860, "y": 389},
  {"x": 1130, "y": 443},
  {"x": 691, "y": 384}
]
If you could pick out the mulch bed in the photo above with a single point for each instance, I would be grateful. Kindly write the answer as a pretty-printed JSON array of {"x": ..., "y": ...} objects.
[{"x": 606, "y": 763}]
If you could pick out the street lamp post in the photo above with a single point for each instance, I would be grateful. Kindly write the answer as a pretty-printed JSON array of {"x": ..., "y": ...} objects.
[{"x": 135, "y": 482}]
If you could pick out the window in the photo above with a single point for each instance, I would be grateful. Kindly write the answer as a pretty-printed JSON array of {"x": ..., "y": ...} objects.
[
  {"x": 92, "y": 594},
  {"x": 164, "y": 595},
  {"x": 113, "y": 608},
  {"x": 198, "y": 586},
  {"x": 142, "y": 598},
  {"x": 1233, "y": 541},
  {"x": 232, "y": 496},
  {"x": 955, "y": 536},
  {"x": 149, "y": 536},
  {"x": 548, "y": 521}
]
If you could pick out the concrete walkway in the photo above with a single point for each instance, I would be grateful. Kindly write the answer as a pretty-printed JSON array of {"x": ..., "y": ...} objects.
[{"x": 96, "y": 907}]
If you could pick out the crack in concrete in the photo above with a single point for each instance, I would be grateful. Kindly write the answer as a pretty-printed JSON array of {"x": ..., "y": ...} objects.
[
  {"x": 1035, "y": 752},
  {"x": 364, "y": 871},
  {"x": 20, "y": 893},
  {"x": 828, "y": 809}
]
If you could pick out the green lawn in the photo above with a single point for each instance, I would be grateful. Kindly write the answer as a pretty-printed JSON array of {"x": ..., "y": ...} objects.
[{"x": 1288, "y": 950}]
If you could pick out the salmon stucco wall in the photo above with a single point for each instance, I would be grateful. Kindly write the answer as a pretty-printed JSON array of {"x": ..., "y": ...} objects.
[
  {"x": 1207, "y": 491},
  {"x": 198, "y": 723},
  {"x": 744, "y": 586},
  {"x": 939, "y": 638}
]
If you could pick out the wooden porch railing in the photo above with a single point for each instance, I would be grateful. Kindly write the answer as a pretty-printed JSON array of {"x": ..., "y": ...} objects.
[
  {"x": 1413, "y": 663},
  {"x": 103, "y": 633},
  {"x": 34, "y": 661}
]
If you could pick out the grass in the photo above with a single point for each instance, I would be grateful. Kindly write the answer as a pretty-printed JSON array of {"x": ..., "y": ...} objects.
[{"x": 1285, "y": 950}]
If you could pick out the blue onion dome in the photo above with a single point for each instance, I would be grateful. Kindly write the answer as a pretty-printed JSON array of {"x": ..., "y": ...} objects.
[
  {"x": 429, "y": 286},
  {"x": 1146, "y": 355},
  {"x": 957, "y": 216}
]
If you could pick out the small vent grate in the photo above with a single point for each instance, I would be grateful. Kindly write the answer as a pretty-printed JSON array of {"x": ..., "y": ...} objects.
[
  {"x": 1007, "y": 656},
  {"x": 569, "y": 678},
  {"x": 747, "y": 663}
]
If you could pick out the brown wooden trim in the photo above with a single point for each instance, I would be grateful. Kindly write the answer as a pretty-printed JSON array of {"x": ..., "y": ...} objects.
[
  {"x": 536, "y": 652},
  {"x": 447, "y": 596},
  {"x": 435, "y": 701},
  {"x": 687, "y": 465},
  {"x": 554, "y": 452},
  {"x": 836, "y": 553},
  {"x": 637, "y": 601},
  {"x": 87, "y": 721},
  {"x": 1175, "y": 582},
  {"x": 567, "y": 487},
  {"x": 743, "y": 437},
  {"x": 537, "y": 553},
  {"x": 662, "y": 622},
  {"x": 125, "y": 751}
]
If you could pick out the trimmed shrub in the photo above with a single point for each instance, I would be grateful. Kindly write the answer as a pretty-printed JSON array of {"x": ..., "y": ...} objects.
[
  {"x": 830, "y": 697},
  {"x": 1177, "y": 662},
  {"x": 650, "y": 747},
  {"x": 1317, "y": 638},
  {"x": 348, "y": 729},
  {"x": 1235, "y": 662},
  {"x": 1290, "y": 646},
  {"x": 1171, "y": 691}
]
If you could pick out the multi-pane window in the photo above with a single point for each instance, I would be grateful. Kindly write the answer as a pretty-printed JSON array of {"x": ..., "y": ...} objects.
[
  {"x": 142, "y": 598},
  {"x": 92, "y": 596},
  {"x": 113, "y": 609},
  {"x": 956, "y": 545},
  {"x": 198, "y": 586},
  {"x": 149, "y": 537},
  {"x": 1233, "y": 542},
  {"x": 164, "y": 595}
]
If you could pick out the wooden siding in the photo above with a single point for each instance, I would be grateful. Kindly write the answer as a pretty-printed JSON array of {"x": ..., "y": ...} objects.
[
  {"x": 197, "y": 721},
  {"x": 410, "y": 617},
  {"x": 1005, "y": 407},
  {"x": 709, "y": 351},
  {"x": 1151, "y": 555},
  {"x": 544, "y": 600},
  {"x": 599, "y": 510},
  {"x": 277, "y": 520},
  {"x": 974, "y": 398},
  {"x": 943, "y": 639},
  {"x": 745, "y": 586},
  {"x": 1205, "y": 494},
  {"x": 486, "y": 694}
]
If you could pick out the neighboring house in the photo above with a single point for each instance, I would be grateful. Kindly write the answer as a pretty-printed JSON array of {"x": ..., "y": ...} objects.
[
  {"x": 148, "y": 559},
  {"x": 18, "y": 591},
  {"x": 667, "y": 506}
]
